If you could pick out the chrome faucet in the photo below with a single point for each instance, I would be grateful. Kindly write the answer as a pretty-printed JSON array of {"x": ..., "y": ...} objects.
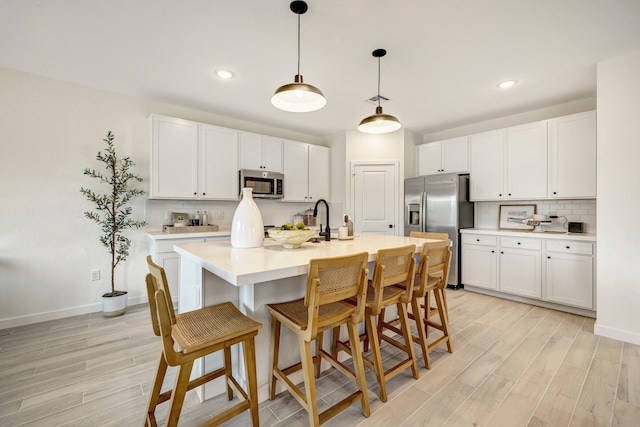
[{"x": 327, "y": 231}]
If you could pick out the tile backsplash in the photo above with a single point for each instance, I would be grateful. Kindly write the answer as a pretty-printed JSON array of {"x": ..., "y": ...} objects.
[
  {"x": 220, "y": 213},
  {"x": 567, "y": 210}
]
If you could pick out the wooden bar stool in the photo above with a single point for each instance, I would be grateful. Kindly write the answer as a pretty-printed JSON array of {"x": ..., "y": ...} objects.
[
  {"x": 430, "y": 311},
  {"x": 194, "y": 334},
  {"x": 431, "y": 278},
  {"x": 395, "y": 265},
  {"x": 331, "y": 283}
]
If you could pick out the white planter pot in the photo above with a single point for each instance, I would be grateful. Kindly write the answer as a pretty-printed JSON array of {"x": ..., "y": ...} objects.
[{"x": 114, "y": 305}]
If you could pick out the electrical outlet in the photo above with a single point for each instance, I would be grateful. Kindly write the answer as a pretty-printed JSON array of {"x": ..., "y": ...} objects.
[
  {"x": 95, "y": 275},
  {"x": 220, "y": 215}
]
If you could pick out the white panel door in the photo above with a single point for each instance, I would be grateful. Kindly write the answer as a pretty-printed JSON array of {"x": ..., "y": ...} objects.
[{"x": 375, "y": 199}]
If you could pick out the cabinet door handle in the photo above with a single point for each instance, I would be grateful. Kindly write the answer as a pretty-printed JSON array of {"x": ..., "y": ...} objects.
[
  {"x": 500, "y": 194},
  {"x": 195, "y": 194},
  {"x": 518, "y": 242},
  {"x": 568, "y": 247},
  {"x": 509, "y": 193},
  {"x": 204, "y": 194},
  {"x": 555, "y": 192},
  {"x": 477, "y": 240},
  {"x": 548, "y": 257},
  {"x": 493, "y": 252},
  {"x": 502, "y": 252}
]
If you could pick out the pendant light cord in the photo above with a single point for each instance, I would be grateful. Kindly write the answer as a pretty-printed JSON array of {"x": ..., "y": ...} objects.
[
  {"x": 298, "y": 44},
  {"x": 378, "y": 81}
]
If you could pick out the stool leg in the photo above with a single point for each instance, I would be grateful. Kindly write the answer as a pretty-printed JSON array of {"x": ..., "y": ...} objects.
[
  {"x": 249, "y": 350},
  {"x": 422, "y": 335},
  {"x": 177, "y": 396},
  {"x": 309, "y": 382},
  {"x": 358, "y": 366},
  {"x": 372, "y": 334},
  {"x": 155, "y": 392},
  {"x": 444, "y": 318},
  {"x": 317, "y": 358},
  {"x": 275, "y": 351},
  {"x": 335, "y": 337},
  {"x": 408, "y": 340},
  {"x": 227, "y": 371}
]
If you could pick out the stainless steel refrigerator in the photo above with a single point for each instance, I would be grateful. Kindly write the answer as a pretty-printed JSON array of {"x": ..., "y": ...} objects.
[{"x": 439, "y": 203}]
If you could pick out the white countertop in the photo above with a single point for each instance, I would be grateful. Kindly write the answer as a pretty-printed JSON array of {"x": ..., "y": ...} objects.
[
  {"x": 161, "y": 235},
  {"x": 272, "y": 262},
  {"x": 591, "y": 237}
]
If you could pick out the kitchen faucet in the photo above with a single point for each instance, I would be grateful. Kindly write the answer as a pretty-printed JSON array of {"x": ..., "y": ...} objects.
[{"x": 327, "y": 231}]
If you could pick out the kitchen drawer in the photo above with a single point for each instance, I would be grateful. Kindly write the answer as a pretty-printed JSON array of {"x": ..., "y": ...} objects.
[
  {"x": 477, "y": 239},
  {"x": 570, "y": 247},
  {"x": 520, "y": 243},
  {"x": 167, "y": 245}
]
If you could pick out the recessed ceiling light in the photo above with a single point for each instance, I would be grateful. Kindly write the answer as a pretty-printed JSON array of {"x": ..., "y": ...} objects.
[
  {"x": 224, "y": 74},
  {"x": 507, "y": 84}
]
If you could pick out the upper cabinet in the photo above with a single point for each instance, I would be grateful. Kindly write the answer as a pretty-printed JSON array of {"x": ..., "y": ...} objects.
[
  {"x": 510, "y": 164},
  {"x": 486, "y": 180},
  {"x": 572, "y": 156},
  {"x": 192, "y": 160},
  {"x": 174, "y": 158},
  {"x": 260, "y": 152},
  {"x": 449, "y": 156},
  {"x": 306, "y": 172},
  {"x": 526, "y": 161}
]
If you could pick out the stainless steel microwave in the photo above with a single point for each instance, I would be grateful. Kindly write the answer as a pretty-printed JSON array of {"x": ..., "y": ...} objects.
[{"x": 265, "y": 185}]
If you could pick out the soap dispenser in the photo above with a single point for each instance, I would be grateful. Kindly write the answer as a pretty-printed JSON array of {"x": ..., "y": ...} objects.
[{"x": 205, "y": 219}]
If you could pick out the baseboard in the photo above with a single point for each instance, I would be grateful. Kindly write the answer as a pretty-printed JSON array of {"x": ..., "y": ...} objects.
[
  {"x": 61, "y": 314},
  {"x": 616, "y": 334}
]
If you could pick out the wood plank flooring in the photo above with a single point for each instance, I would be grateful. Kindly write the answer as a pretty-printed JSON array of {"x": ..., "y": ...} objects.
[{"x": 513, "y": 365}]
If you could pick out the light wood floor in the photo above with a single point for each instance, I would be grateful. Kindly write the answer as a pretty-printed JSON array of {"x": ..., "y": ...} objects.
[{"x": 513, "y": 365}]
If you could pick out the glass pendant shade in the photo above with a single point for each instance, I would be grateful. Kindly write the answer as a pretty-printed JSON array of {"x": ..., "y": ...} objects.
[
  {"x": 298, "y": 97},
  {"x": 379, "y": 123}
]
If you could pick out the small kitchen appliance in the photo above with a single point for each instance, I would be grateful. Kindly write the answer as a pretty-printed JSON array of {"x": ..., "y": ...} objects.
[{"x": 576, "y": 227}]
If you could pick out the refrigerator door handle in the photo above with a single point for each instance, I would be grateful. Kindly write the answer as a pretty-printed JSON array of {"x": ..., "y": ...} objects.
[{"x": 423, "y": 211}]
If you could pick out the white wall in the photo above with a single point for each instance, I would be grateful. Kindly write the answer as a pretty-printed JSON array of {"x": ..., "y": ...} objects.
[
  {"x": 49, "y": 131},
  {"x": 618, "y": 198}
]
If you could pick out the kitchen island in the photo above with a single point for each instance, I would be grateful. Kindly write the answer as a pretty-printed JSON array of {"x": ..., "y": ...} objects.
[{"x": 213, "y": 272}]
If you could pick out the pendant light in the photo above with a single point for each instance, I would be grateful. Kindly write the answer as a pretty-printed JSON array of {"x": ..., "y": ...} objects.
[
  {"x": 298, "y": 97},
  {"x": 379, "y": 122}
]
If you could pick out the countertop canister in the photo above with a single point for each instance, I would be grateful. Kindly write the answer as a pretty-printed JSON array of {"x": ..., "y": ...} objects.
[{"x": 247, "y": 228}]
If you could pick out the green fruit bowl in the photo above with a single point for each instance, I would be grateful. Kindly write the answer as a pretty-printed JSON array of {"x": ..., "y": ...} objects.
[{"x": 291, "y": 239}]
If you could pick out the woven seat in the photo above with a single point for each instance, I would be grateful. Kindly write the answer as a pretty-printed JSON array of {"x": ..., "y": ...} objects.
[
  {"x": 431, "y": 279},
  {"x": 395, "y": 265},
  {"x": 330, "y": 284},
  {"x": 194, "y": 334}
]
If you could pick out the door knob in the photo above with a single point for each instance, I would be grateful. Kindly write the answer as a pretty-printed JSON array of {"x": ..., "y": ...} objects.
[{"x": 390, "y": 225}]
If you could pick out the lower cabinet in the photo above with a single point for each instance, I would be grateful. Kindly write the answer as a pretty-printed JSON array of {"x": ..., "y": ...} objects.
[
  {"x": 553, "y": 270},
  {"x": 521, "y": 267},
  {"x": 569, "y": 273},
  {"x": 480, "y": 261},
  {"x": 161, "y": 251}
]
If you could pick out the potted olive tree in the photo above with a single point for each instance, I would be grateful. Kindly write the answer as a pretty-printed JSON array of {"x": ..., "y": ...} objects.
[{"x": 113, "y": 215}]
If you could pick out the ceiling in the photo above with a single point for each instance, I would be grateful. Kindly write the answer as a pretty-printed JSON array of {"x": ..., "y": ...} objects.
[{"x": 444, "y": 57}]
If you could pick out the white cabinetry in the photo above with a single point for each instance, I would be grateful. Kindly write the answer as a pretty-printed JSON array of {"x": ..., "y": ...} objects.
[
  {"x": 306, "y": 171},
  {"x": 521, "y": 266},
  {"x": 526, "y": 161},
  {"x": 218, "y": 168},
  {"x": 510, "y": 164},
  {"x": 547, "y": 271},
  {"x": 572, "y": 156},
  {"x": 569, "y": 271},
  {"x": 174, "y": 158},
  {"x": 161, "y": 251},
  {"x": 486, "y": 179},
  {"x": 192, "y": 160},
  {"x": 260, "y": 152},
  {"x": 450, "y": 156},
  {"x": 480, "y": 261}
]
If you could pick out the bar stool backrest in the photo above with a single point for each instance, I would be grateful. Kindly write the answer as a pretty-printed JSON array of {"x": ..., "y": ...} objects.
[
  {"x": 394, "y": 265},
  {"x": 158, "y": 281},
  {"x": 429, "y": 235},
  {"x": 435, "y": 259}
]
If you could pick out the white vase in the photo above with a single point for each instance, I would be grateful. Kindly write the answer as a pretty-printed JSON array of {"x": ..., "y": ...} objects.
[{"x": 247, "y": 228}]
